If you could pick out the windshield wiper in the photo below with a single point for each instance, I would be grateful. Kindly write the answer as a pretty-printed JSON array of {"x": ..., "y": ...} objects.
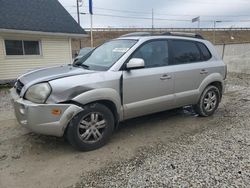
[
  {"x": 84, "y": 66},
  {"x": 81, "y": 65}
]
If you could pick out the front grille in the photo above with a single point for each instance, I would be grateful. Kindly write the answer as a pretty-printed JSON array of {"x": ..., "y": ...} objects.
[{"x": 19, "y": 85}]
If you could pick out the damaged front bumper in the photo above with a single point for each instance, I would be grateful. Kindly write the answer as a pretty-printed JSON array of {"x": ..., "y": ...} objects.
[{"x": 40, "y": 118}]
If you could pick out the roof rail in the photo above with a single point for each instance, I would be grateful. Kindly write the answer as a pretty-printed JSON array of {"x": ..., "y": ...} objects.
[
  {"x": 183, "y": 34},
  {"x": 137, "y": 34}
]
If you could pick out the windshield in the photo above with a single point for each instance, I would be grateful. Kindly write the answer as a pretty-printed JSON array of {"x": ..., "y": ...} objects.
[
  {"x": 104, "y": 56},
  {"x": 85, "y": 51}
]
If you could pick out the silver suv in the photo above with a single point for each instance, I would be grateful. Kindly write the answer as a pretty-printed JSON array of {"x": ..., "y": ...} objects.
[{"x": 131, "y": 76}]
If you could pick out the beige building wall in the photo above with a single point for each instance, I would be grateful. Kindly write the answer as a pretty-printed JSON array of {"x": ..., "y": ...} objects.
[{"x": 55, "y": 50}]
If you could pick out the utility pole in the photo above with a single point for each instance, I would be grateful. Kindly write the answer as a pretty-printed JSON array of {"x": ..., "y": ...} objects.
[
  {"x": 91, "y": 30},
  {"x": 152, "y": 19},
  {"x": 216, "y": 21},
  {"x": 78, "y": 14},
  {"x": 91, "y": 22},
  {"x": 214, "y": 31},
  {"x": 78, "y": 18}
]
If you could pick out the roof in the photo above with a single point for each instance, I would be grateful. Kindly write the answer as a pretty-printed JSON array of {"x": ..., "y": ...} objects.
[{"x": 37, "y": 15}]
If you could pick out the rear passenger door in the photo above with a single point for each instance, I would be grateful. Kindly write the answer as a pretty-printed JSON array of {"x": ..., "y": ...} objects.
[{"x": 189, "y": 65}]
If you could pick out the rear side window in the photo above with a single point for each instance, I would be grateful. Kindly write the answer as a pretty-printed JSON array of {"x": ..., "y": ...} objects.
[
  {"x": 185, "y": 51},
  {"x": 206, "y": 55}
]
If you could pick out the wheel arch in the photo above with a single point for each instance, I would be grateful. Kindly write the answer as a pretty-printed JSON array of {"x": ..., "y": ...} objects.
[
  {"x": 219, "y": 85},
  {"x": 106, "y": 96},
  {"x": 214, "y": 79},
  {"x": 111, "y": 105}
]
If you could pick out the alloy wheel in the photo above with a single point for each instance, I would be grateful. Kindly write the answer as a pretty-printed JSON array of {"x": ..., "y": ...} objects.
[
  {"x": 91, "y": 128},
  {"x": 210, "y": 101}
]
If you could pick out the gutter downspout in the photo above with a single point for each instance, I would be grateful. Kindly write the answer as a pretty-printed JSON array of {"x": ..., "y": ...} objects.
[{"x": 70, "y": 51}]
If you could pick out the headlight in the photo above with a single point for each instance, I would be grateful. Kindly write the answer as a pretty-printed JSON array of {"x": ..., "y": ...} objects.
[{"x": 38, "y": 93}]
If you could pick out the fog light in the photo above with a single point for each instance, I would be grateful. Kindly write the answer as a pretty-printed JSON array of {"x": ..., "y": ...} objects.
[
  {"x": 22, "y": 109},
  {"x": 56, "y": 112},
  {"x": 24, "y": 122}
]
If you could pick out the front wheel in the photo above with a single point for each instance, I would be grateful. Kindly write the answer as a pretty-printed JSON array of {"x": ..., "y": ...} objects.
[
  {"x": 91, "y": 128},
  {"x": 208, "y": 102}
]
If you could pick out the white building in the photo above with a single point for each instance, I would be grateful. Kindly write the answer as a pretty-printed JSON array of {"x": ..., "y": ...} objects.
[{"x": 34, "y": 34}]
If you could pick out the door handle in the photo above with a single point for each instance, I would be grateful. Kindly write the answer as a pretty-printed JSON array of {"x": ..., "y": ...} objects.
[
  {"x": 165, "y": 77},
  {"x": 203, "y": 71}
]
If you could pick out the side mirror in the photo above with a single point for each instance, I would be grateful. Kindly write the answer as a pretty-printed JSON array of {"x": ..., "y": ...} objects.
[
  {"x": 75, "y": 61},
  {"x": 76, "y": 54},
  {"x": 135, "y": 63}
]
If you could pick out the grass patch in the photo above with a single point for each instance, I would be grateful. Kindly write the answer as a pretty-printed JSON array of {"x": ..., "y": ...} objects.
[{"x": 5, "y": 87}]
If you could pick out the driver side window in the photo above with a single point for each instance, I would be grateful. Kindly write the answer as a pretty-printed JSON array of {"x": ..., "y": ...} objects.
[{"x": 154, "y": 53}]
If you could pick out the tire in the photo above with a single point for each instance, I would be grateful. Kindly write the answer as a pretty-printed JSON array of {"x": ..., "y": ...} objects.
[
  {"x": 208, "y": 102},
  {"x": 91, "y": 128}
]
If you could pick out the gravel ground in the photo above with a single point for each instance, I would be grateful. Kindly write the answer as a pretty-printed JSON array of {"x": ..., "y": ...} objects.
[
  {"x": 217, "y": 157},
  {"x": 5, "y": 103},
  {"x": 169, "y": 149}
]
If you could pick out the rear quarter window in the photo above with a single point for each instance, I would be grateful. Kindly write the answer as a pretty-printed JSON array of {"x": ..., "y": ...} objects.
[{"x": 206, "y": 55}]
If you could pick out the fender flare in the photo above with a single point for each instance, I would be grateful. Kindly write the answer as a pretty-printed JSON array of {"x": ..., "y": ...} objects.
[
  {"x": 107, "y": 94},
  {"x": 214, "y": 77}
]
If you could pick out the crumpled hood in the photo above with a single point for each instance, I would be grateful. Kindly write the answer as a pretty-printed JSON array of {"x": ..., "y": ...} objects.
[{"x": 51, "y": 73}]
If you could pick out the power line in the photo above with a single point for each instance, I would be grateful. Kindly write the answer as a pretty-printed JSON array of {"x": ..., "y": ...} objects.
[
  {"x": 127, "y": 11},
  {"x": 193, "y": 15},
  {"x": 160, "y": 13},
  {"x": 140, "y": 18},
  {"x": 161, "y": 19},
  {"x": 163, "y": 14}
]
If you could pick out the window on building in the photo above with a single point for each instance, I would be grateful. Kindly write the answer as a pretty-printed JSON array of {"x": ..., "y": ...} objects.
[{"x": 22, "y": 47}]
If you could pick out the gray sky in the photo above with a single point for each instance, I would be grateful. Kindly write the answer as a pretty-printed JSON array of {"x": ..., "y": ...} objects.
[{"x": 127, "y": 13}]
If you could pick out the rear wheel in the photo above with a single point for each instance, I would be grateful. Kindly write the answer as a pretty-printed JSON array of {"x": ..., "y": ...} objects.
[
  {"x": 91, "y": 128},
  {"x": 209, "y": 101}
]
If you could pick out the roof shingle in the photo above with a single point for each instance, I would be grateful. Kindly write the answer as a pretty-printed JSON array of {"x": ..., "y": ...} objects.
[{"x": 37, "y": 15}]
